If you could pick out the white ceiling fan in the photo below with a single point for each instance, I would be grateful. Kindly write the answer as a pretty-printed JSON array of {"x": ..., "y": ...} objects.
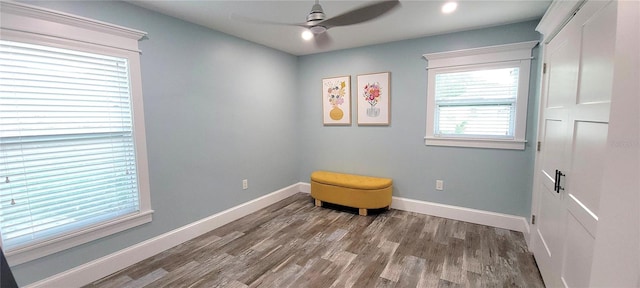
[{"x": 317, "y": 23}]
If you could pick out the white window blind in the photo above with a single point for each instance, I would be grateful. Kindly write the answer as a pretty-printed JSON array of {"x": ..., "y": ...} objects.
[
  {"x": 478, "y": 103},
  {"x": 477, "y": 97},
  {"x": 67, "y": 154}
]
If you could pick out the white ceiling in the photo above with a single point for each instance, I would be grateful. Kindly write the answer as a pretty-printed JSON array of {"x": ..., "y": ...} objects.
[{"x": 413, "y": 19}]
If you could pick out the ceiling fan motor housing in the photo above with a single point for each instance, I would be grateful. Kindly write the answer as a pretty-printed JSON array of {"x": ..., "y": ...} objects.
[{"x": 316, "y": 14}]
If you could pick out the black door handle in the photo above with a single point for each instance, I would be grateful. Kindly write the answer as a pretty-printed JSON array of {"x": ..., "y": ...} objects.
[
  {"x": 560, "y": 175},
  {"x": 555, "y": 182}
]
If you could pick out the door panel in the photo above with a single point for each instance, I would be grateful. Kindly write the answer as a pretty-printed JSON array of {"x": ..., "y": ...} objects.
[
  {"x": 550, "y": 218},
  {"x": 586, "y": 217},
  {"x": 550, "y": 228},
  {"x": 563, "y": 72},
  {"x": 590, "y": 140},
  {"x": 561, "y": 85},
  {"x": 553, "y": 151},
  {"x": 578, "y": 253},
  {"x": 588, "y": 122},
  {"x": 597, "y": 57},
  {"x": 549, "y": 236}
]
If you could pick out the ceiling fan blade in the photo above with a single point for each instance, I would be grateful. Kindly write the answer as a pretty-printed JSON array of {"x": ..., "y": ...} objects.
[
  {"x": 240, "y": 18},
  {"x": 322, "y": 40},
  {"x": 362, "y": 14}
]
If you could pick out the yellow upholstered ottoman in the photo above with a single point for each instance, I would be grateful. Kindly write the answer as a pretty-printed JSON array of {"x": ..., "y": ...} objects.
[{"x": 362, "y": 192}]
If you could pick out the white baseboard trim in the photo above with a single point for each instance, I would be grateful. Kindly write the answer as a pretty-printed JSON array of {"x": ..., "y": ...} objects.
[
  {"x": 304, "y": 187},
  {"x": 112, "y": 263},
  {"x": 500, "y": 220}
]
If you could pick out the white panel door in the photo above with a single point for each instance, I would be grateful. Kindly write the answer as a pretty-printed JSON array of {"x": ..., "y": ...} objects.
[
  {"x": 589, "y": 121},
  {"x": 561, "y": 86},
  {"x": 573, "y": 134}
]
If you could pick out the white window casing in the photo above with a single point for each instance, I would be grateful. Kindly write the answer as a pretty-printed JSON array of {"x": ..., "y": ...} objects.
[
  {"x": 503, "y": 103},
  {"x": 54, "y": 34}
]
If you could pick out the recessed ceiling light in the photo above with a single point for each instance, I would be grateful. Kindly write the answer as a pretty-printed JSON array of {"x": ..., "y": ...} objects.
[
  {"x": 449, "y": 7},
  {"x": 307, "y": 35}
]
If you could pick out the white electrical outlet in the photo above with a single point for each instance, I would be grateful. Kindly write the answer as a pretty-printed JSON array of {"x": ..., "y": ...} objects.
[
  {"x": 439, "y": 185},
  {"x": 245, "y": 184}
]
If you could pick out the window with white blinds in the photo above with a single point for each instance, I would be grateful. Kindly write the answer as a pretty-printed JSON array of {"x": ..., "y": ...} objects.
[
  {"x": 67, "y": 157},
  {"x": 478, "y": 97},
  {"x": 73, "y": 160},
  {"x": 479, "y": 103}
]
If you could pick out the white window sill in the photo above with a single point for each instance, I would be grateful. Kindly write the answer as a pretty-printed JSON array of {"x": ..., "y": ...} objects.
[
  {"x": 476, "y": 143},
  {"x": 28, "y": 253}
]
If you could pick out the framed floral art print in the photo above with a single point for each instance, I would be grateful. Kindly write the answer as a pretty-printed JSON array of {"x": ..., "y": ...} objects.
[
  {"x": 374, "y": 100},
  {"x": 336, "y": 100}
]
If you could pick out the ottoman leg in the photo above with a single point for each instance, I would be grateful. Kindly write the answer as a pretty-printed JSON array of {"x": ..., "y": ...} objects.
[
  {"x": 362, "y": 211},
  {"x": 318, "y": 203}
]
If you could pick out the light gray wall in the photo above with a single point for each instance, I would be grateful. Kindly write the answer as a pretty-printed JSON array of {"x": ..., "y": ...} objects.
[
  {"x": 218, "y": 110},
  {"x": 486, "y": 179}
]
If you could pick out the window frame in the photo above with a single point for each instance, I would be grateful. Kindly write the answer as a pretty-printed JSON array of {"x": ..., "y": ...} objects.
[
  {"x": 35, "y": 25},
  {"x": 483, "y": 58}
]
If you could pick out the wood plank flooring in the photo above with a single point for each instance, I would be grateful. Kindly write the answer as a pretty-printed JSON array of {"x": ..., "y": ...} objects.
[{"x": 294, "y": 244}]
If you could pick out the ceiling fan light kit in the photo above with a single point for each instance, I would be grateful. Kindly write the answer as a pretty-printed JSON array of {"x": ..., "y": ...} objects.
[
  {"x": 449, "y": 7},
  {"x": 307, "y": 35},
  {"x": 317, "y": 29}
]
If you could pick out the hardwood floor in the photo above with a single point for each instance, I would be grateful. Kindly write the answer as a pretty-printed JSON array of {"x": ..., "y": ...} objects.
[{"x": 294, "y": 244}]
